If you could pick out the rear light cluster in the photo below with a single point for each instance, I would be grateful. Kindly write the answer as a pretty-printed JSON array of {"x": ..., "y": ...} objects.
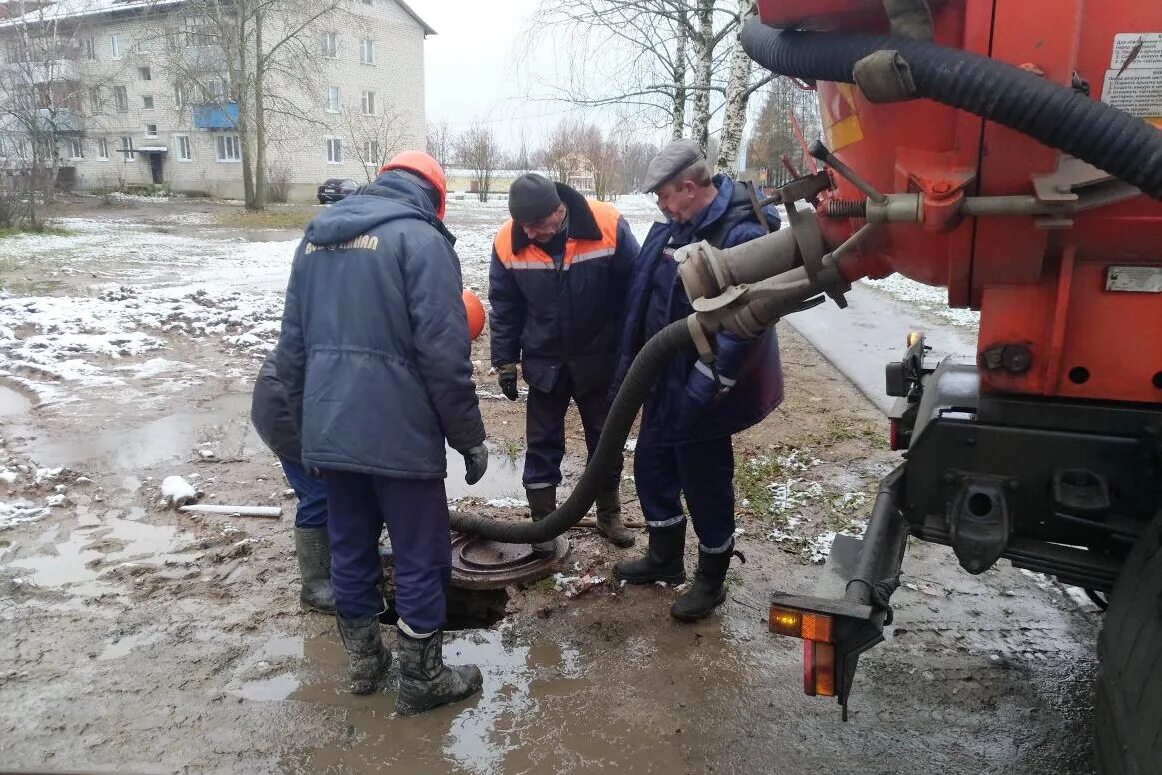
[{"x": 817, "y": 632}]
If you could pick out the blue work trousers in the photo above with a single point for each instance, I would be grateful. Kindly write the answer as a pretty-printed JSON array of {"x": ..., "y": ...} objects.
[
  {"x": 545, "y": 430},
  {"x": 311, "y": 494},
  {"x": 702, "y": 471},
  {"x": 416, "y": 514}
]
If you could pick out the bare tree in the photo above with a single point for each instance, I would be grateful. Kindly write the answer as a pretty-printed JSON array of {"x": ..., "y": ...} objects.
[
  {"x": 439, "y": 142},
  {"x": 478, "y": 150},
  {"x": 42, "y": 121},
  {"x": 652, "y": 55},
  {"x": 245, "y": 59},
  {"x": 376, "y": 135},
  {"x": 560, "y": 144}
]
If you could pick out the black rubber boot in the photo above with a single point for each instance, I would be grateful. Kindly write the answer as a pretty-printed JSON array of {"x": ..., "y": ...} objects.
[
  {"x": 425, "y": 682},
  {"x": 314, "y": 553},
  {"x": 369, "y": 657},
  {"x": 663, "y": 560},
  {"x": 708, "y": 590},
  {"x": 542, "y": 503},
  {"x": 609, "y": 522}
]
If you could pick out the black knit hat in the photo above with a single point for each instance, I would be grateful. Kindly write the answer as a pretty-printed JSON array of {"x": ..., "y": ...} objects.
[{"x": 531, "y": 197}]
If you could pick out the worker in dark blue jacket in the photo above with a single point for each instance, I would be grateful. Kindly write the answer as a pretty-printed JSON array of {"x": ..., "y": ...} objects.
[
  {"x": 557, "y": 284},
  {"x": 271, "y": 418},
  {"x": 684, "y": 444},
  {"x": 374, "y": 356}
]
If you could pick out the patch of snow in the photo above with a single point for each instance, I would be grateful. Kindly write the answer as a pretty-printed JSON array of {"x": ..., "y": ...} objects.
[
  {"x": 928, "y": 298},
  {"x": 507, "y": 503},
  {"x": 12, "y": 514}
]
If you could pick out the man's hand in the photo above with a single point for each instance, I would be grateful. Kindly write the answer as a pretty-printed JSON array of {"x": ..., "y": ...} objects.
[
  {"x": 475, "y": 463},
  {"x": 506, "y": 378}
]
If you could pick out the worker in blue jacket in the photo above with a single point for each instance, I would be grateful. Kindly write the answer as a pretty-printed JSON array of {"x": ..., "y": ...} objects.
[
  {"x": 684, "y": 444},
  {"x": 374, "y": 357},
  {"x": 557, "y": 283}
]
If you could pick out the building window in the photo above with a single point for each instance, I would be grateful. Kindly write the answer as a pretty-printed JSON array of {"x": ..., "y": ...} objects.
[
  {"x": 368, "y": 103},
  {"x": 102, "y": 149},
  {"x": 115, "y": 45},
  {"x": 367, "y": 2},
  {"x": 371, "y": 153},
  {"x": 145, "y": 74},
  {"x": 366, "y": 52},
  {"x": 199, "y": 31},
  {"x": 126, "y": 148},
  {"x": 219, "y": 90},
  {"x": 180, "y": 95},
  {"x": 151, "y": 130},
  {"x": 332, "y": 99},
  {"x": 331, "y": 45},
  {"x": 95, "y": 99},
  {"x": 147, "y": 102},
  {"x": 229, "y": 149},
  {"x": 183, "y": 144},
  {"x": 90, "y": 48},
  {"x": 334, "y": 150},
  {"x": 76, "y": 149},
  {"x": 122, "y": 98}
]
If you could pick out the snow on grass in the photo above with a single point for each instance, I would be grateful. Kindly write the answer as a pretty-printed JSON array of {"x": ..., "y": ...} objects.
[{"x": 927, "y": 298}]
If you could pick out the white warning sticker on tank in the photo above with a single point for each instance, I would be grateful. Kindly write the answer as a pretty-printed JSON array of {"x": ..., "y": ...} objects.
[
  {"x": 1136, "y": 90},
  {"x": 1136, "y": 49},
  {"x": 1134, "y": 279}
]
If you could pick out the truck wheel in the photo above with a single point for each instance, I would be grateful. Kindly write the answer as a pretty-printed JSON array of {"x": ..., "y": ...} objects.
[{"x": 1128, "y": 712}]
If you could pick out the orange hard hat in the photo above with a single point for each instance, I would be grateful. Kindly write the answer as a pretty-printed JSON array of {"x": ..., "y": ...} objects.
[
  {"x": 426, "y": 167},
  {"x": 475, "y": 312}
]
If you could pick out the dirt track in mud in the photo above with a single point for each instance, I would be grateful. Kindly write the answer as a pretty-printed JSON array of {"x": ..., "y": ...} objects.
[{"x": 136, "y": 639}]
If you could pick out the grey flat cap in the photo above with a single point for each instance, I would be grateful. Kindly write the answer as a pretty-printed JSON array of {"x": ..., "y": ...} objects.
[{"x": 674, "y": 158}]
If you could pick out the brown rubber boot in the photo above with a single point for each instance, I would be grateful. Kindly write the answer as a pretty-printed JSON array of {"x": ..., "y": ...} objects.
[{"x": 609, "y": 522}]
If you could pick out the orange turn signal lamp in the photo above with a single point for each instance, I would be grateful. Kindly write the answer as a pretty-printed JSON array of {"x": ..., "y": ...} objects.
[
  {"x": 834, "y": 634},
  {"x": 800, "y": 624}
]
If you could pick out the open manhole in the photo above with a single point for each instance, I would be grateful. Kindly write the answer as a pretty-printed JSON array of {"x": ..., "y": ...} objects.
[
  {"x": 481, "y": 569},
  {"x": 478, "y": 563}
]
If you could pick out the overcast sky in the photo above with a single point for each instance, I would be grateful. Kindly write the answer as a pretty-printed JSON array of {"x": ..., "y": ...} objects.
[{"x": 471, "y": 65}]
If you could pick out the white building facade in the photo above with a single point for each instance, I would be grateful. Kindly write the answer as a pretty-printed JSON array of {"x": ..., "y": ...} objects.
[{"x": 140, "y": 94}]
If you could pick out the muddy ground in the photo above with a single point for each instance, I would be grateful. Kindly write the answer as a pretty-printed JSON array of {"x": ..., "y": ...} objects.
[{"x": 136, "y": 639}]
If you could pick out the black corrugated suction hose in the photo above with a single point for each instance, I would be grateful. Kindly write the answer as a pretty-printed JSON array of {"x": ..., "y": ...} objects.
[
  {"x": 657, "y": 353},
  {"x": 1058, "y": 116}
]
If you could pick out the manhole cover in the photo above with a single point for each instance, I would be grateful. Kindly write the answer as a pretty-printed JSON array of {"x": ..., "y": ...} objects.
[{"x": 478, "y": 563}]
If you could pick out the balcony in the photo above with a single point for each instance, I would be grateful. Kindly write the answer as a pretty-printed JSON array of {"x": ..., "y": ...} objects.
[{"x": 222, "y": 115}]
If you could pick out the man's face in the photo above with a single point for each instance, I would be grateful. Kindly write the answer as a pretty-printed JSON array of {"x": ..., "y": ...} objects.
[
  {"x": 677, "y": 201},
  {"x": 546, "y": 228}
]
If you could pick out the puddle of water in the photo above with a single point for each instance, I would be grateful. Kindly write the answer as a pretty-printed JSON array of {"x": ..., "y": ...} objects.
[
  {"x": 70, "y": 565},
  {"x": 501, "y": 480},
  {"x": 169, "y": 439},
  {"x": 123, "y": 646},
  {"x": 280, "y": 687},
  {"x": 13, "y": 403},
  {"x": 546, "y": 706}
]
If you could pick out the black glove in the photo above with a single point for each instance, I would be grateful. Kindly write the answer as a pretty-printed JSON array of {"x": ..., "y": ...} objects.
[
  {"x": 506, "y": 378},
  {"x": 475, "y": 463}
]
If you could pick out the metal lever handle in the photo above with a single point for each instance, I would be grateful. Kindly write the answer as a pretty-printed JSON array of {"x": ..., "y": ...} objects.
[{"x": 821, "y": 152}]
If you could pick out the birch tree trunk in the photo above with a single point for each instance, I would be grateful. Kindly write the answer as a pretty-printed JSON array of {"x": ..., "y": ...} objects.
[
  {"x": 678, "y": 122},
  {"x": 738, "y": 91},
  {"x": 703, "y": 70}
]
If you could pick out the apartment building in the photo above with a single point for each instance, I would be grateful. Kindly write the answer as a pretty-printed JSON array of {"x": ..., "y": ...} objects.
[{"x": 138, "y": 93}]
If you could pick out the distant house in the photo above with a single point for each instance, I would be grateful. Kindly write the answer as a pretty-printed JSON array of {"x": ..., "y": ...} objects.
[
  {"x": 468, "y": 182},
  {"x": 112, "y": 79}
]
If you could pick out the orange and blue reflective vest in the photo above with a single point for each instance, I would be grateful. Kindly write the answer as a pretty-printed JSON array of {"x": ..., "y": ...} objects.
[{"x": 562, "y": 307}]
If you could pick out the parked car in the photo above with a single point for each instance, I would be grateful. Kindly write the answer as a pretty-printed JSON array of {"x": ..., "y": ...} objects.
[{"x": 336, "y": 189}]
